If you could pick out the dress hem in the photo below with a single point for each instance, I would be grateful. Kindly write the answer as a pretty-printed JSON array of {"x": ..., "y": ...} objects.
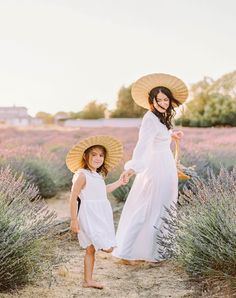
[
  {"x": 136, "y": 259},
  {"x": 98, "y": 248}
]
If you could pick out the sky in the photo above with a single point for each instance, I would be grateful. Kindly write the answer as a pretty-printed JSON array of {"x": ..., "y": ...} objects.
[{"x": 58, "y": 55}]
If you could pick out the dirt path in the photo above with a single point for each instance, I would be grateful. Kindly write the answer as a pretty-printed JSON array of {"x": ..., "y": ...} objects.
[{"x": 120, "y": 280}]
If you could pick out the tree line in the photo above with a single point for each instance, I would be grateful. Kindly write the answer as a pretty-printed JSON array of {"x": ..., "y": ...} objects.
[{"x": 210, "y": 103}]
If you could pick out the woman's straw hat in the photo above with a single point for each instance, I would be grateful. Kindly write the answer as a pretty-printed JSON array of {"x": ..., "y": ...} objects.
[
  {"x": 142, "y": 87},
  {"x": 114, "y": 152}
]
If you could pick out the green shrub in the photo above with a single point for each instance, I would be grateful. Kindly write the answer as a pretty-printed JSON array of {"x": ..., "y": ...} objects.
[
  {"x": 36, "y": 172},
  {"x": 122, "y": 192},
  {"x": 25, "y": 224},
  {"x": 208, "y": 160},
  {"x": 62, "y": 176}
]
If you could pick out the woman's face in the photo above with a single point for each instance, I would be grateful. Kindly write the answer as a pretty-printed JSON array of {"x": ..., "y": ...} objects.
[
  {"x": 161, "y": 102},
  {"x": 96, "y": 158}
]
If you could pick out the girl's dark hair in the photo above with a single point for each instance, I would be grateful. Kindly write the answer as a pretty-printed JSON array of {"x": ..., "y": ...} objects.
[
  {"x": 102, "y": 170},
  {"x": 166, "y": 117}
]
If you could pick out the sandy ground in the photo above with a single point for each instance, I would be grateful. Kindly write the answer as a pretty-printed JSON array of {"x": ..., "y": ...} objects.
[
  {"x": 144, "y": 280},
  {"x": 119, "y": 280}
]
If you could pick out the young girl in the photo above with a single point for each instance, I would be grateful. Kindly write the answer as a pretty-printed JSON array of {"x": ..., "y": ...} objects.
[{"x": 90, "y": 161}]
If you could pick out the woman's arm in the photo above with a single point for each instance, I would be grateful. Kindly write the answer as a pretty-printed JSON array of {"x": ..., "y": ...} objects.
[
  {"x": 75, "y": 191},
  {"x": 177, "y": 135},
  {"x": 147, "y": 133}
]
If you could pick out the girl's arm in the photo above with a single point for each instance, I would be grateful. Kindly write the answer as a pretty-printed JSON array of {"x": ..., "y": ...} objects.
[
  {"x": 113, "y": 186},
  {"x": 75, "y": 191},
  {"x": 121, "y": 181}
]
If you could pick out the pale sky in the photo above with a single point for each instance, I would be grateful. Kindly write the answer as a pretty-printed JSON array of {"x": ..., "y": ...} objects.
[{"x": 57, "y": 55}]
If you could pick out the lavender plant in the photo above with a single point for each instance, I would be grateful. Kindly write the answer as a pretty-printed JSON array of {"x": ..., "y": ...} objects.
[
  {"x": 25, "y": 224},
  {"x": 201, "y": 235}
]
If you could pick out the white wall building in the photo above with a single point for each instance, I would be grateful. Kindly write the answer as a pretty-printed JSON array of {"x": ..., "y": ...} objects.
[
  {"x": 112, "y": 122},
  {"x": 17, "y": 116}
]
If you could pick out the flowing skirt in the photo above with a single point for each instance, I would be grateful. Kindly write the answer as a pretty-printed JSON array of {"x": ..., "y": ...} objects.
[{"x": 141, "y": 219}]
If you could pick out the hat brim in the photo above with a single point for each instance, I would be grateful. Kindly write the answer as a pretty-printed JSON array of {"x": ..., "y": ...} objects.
[
  {"x": 114, "y": 152},
  {"x": 141, "y": 88}
]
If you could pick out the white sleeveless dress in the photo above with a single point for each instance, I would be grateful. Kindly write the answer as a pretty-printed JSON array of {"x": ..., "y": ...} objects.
[
  {"x": 155, "y": 187},
  {"x": 95, "y": 214}
]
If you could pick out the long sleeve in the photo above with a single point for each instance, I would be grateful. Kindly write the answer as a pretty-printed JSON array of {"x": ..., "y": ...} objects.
[{"x": 147, "y": 134}]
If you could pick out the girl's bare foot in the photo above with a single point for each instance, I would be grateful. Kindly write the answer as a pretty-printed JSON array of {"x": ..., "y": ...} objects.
[{"x": 93, "y": 284}]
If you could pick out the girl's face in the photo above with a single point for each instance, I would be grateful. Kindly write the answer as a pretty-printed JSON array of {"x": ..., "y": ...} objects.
[
  {"x": 161, "y": 102},
  {"x": 95, "y": 158}
]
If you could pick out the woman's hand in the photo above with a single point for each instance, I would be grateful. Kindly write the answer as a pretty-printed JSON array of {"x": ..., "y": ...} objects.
[
  {"x": 126, "y": 175},
  {"x": 123, "y": 180},
  {"x": 177, "y": 135},
  {"x": 74, "y": 226},
  {"x": 130, "y": 173}
]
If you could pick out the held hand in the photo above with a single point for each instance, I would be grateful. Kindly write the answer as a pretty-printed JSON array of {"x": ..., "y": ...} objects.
[
  {"x": 127, "y": 174},
  {"x": 130, "y": 172},
  {"x": 74, "y": 226},
  {"x": 177, "y": 135},
  {"x": 124, "y": 179}
]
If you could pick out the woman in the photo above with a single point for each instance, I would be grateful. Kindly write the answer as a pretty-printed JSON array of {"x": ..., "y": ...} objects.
[{"x": 156, "y": 184}]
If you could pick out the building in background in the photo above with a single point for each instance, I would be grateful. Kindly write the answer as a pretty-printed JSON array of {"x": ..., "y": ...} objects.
[
  {"x": 60, "y": 118},
  {"x": 17, "y": 116},
  {"x": 112, "y": 122}
]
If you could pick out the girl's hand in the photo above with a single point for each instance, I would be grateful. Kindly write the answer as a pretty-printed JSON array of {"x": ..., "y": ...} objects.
[
  {"x": 177, "y": 135},
  {"x": 74, "y": 226}
]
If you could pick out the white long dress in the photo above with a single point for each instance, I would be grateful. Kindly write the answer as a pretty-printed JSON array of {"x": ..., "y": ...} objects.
[
  {"x": 95, "y": 214},
  {"x": 155, "y": 187}
]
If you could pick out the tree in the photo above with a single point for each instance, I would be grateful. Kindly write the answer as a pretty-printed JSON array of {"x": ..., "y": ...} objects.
[
  {"x": 74, "y": 115},
  {"x": 125, "y": 105},
  {"x": 209, "y": 110},
  {"x": 45, "y": 117},
  {"x": 213, "y": 103},
  {"x": 93, "y": 110}
]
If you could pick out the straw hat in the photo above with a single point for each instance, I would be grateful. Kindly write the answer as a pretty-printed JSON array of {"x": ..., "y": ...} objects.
[
  {"x": 114, "y": 148},
  {"x": 142, "y": 87}
]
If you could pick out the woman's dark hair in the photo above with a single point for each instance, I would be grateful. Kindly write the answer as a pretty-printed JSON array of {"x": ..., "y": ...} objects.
[
  {"x": 103, "y": 170},
  {"x": 166, "y": 117}
]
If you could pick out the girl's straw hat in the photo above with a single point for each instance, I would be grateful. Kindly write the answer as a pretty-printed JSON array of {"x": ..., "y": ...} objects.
[
  {"x": 142, "y": 87},
  {"x": 114, "y": 151}
]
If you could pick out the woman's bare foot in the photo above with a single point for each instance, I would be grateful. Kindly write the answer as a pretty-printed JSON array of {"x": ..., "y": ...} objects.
[
  {"x": 157, "y": 263},
  {"x": 109, "y": 250},
  {"x": 130, "y": 262},
  {"x": 93, "y": 284}
]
